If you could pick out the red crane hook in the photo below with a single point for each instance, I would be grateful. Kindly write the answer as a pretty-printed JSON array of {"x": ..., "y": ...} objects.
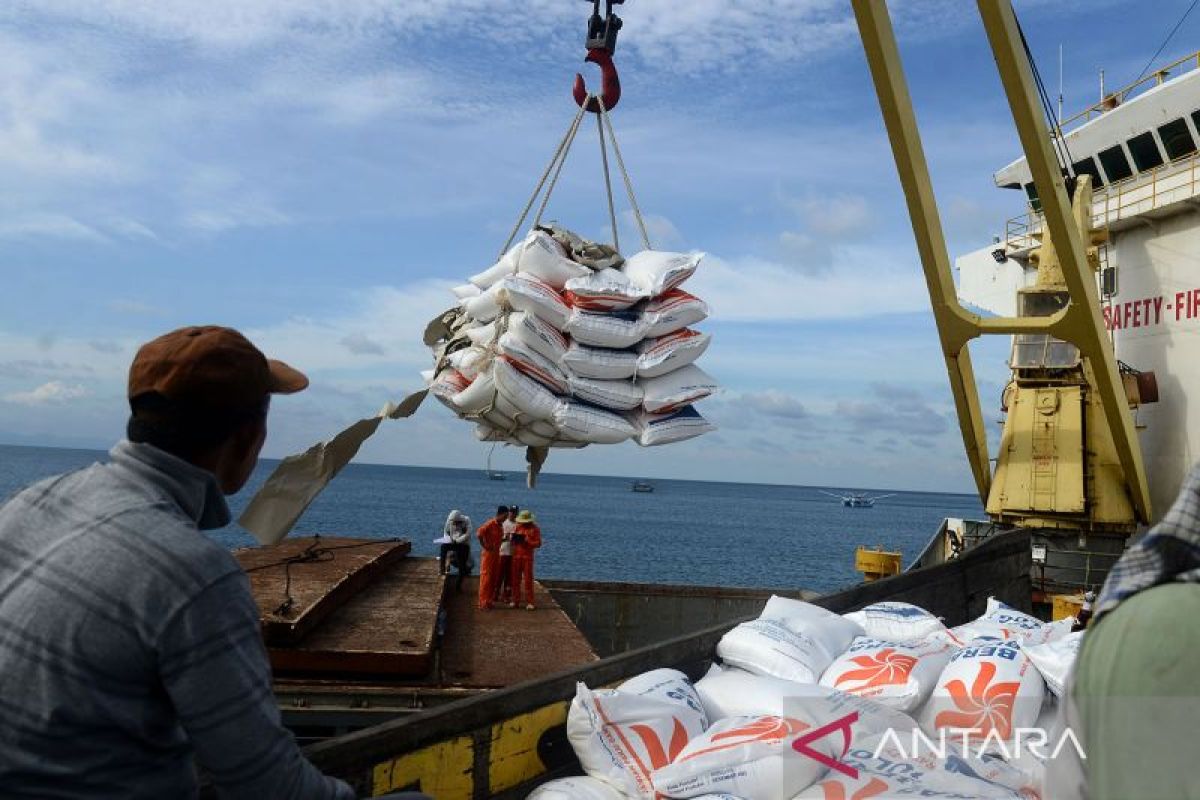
[{"x": 610, "y": 84}]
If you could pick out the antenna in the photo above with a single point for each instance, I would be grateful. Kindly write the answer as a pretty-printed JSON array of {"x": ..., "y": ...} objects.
[
  {"x": 1060, "y": 83},
  {"x": 1101, "y": 86}
]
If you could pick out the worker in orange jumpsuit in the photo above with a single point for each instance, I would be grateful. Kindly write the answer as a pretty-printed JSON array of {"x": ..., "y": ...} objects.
[
  {"x": 490, "y": 534},
  {"x": 525, "y": 539}
]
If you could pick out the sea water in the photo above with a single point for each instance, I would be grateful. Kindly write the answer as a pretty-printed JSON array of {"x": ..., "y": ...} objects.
[{"x": 595, "y": 528}]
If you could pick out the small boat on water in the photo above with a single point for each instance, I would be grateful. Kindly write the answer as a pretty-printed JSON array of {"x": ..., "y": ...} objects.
[
  {"x": 642, "y": 486},
  {"x": 856, "y": 500},
  {"x": 492, "y": 474}
]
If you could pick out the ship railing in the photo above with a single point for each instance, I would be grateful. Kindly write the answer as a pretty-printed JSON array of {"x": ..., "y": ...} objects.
[
  {"x": 1136, "y": 196},
  {"x": 1114, "y": 99}
]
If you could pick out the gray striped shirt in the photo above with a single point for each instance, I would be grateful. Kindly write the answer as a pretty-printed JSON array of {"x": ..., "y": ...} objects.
[{"x": 130, "y": 648}]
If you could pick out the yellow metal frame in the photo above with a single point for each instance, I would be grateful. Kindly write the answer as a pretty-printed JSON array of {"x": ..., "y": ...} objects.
[{"x": 1080, "y": 323}]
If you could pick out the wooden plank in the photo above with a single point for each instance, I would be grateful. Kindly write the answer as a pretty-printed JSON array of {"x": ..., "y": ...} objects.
[
  {"x": 388, "y": 628},
  {"x": 299, "y": 582}
]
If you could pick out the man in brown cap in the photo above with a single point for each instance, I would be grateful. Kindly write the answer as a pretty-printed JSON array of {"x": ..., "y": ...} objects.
[{"x": 129, "y": 641}]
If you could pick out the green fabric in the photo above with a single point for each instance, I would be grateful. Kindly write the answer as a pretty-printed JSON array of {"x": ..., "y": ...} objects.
[{"x": 1137, "y": 692}]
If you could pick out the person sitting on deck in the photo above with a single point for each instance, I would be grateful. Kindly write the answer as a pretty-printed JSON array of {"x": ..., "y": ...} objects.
[
  {"x": 527, "y": 537},
  {"x": 458, "y": 530},
  {"x": 490, "y": 535},
  {"x": 130, "y": 645}
]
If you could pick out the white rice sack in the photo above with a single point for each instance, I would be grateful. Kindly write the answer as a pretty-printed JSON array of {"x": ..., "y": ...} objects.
[
  {"x": 506, "y": 265},
  {"x": 988, "y": 690},
  {"x": 732, "y": 692},
  {"x": 1001, "y": 621},
  {"x": 666, "y": 353},
  {"x": 477, "y": 396},
  {"x": 896, "y": 622},
  {"x": 615, "y": 329},
  {"x": 577, "y": 788},
  {"x": 533, "y": 363},
  {"x": 831, "y": 632},
  {"x": 676, "y": 426},
  {"x": 584, "y": 423},
  {"x": 530, "y": 398},
  {"x": 527, "y": 293},
  {"x": 1050, "y": 632},
  {"x": 673, "y": 311},
  {"x": 747, "y": 757},
  {"x": 485, "y": 307},
  {"x": 466, "y": 291},
  {"x": 621, "y": 737},
  {"x": 674, "y": 390},
  {"x": 885, "y": 767},
  {"x": 546, "y": 260},
  {"x": 446, "y": 384},
  {"x": 901, "y": 676},
  {"x": 539, "y": 335},
  {"x": 484, "y": 432},
  {"x": 469, "y": 361},
  {"x": 1055, "y": 659},
  {"x": 768, "y": 647},
  {"x": 614, "y": 395},
  {"x": 670, "y": 685},
  {"x": 604, "y": 290},
  {"x": 600, "y": 362},
  {"x": 482, "y": 335},
  {"x": 498, "y": 420},
  {"x": 657, "y": 271},
  {"x": 529, "y": 438}
]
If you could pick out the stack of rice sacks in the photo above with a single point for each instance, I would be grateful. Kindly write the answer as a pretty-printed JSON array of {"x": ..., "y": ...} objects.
[
  {"x": 804, "y": 703},
  {"x": 564, "y": 343}
]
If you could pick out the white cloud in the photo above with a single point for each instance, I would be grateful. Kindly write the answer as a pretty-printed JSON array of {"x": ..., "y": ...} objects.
[
  {"x": 58, "y": 226},
  {"x": 361, "y": 345},
  {"x": 49, "y": 393}
]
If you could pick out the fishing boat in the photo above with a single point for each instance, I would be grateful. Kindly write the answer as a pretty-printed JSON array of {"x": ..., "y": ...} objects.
[
  {"x": 641, "y": 486},
  {"x": 856, "y": 499},
  {"x": 492, "y": 474}
]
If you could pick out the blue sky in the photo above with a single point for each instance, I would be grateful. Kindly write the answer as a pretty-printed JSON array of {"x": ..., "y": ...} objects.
[{"x": 319, "y": 173}]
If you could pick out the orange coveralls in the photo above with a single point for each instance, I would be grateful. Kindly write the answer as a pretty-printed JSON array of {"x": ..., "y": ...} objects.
[
  {"x": 489, "y": 534},
  {"x": 522, "y": 560}
]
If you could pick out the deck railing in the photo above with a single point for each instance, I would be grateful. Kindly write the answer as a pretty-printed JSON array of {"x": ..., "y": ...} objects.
[
  {"x": 1137, "y": 195},
  {"x": 1114, "y": 99}
]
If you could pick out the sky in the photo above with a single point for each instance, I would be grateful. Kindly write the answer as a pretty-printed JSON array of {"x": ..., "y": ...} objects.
[{"x": 319, "y": 173}]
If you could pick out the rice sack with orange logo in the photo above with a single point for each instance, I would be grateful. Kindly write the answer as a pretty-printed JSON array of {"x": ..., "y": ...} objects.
[
  {"x": 901, "y": 676},
  {"x": 621, "y": 736},
  {"x": 1001, "y": 621},
  {"x": 890, "y": 767},
  {"x": 764, "y": 758},
  {"x": 988, "y": 690}
]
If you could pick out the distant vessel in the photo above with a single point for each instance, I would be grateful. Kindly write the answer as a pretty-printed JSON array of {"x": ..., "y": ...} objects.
[
  {"x": 491, "y": 473},
  {"x": 642, "y": 486},
  {"x": 856, "y": 500}
]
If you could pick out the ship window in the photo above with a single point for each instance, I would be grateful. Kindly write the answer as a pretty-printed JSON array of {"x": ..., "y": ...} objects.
[
  {"x": 1144, "y": 150},
  {"x": 1087, "y": 166},
  {"x": 1116, "y": 166},
  {"x": 1177, "y": 139},
  {"x": 1040, "y": 350},
  {"x": 1031, "y": 193}
]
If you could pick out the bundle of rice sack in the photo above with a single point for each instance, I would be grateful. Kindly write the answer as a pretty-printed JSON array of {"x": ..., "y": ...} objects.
[
  {"x": 622, "y": 735},
  {"x": 753, "y": 757},
  {"x": 987, "y": 691},
  {"x": 1000, "y": 621},
  {"x": 1055, "y": 659},
  {"x": 898, "y": 675},
  {"x": 566, "y": 333},
  {"x": 896, "y": 622},
  {"x": 791, "y": 639}
]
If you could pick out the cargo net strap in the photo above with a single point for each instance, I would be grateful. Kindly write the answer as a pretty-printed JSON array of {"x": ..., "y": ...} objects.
[{"x": 607, "y": 133}]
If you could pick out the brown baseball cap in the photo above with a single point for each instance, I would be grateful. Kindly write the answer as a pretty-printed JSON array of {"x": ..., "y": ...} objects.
[{"x": 212, "y": 367}]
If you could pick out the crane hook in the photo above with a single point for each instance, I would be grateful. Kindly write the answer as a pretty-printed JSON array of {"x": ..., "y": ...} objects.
[{"x": 610, "y": 84}]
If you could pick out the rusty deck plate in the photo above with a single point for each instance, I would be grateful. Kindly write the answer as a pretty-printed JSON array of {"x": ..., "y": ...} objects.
[
  {"x": 388, "y": 628},
  {"x": 317, "y": 588},
  {"x": 490, "y": 649}
]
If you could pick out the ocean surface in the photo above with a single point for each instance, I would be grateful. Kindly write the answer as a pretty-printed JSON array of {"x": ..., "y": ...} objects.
[{"x": 595, "y": 528}]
